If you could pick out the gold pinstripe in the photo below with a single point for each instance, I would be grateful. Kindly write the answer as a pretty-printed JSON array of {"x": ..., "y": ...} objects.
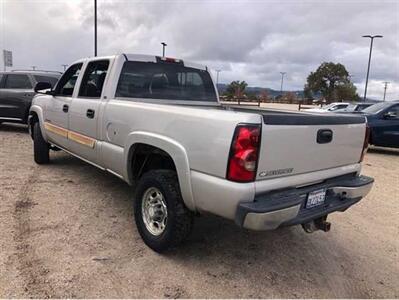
[
  {"x": 56, "y": 129},
  {"x": 71, "y": 135}
]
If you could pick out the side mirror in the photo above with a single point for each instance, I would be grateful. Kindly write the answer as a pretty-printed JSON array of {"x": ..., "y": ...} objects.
[{"x": 40, "y": 86}]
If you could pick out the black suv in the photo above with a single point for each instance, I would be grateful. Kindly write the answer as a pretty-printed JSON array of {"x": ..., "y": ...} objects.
[{"x": 16, "y": 92}]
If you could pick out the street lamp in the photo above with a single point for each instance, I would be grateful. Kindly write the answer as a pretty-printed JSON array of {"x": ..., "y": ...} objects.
[
  {"x": 282, "y": 80},
  {"x": 371, "y": 37},
  {"x": 95, "y": 27},
  {"x": 163, "y": 48}
]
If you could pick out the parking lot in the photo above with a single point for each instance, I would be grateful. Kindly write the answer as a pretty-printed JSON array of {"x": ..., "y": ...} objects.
[{"x": 67, "y": 230}]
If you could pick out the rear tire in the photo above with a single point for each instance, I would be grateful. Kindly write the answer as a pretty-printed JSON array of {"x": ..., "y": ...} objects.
[
  {"x": 41, "y": 148},
  {"x": 162, "y": 219}
]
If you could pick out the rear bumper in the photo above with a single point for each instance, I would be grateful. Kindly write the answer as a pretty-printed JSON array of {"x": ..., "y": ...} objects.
[{"x": 288, "y": 207}]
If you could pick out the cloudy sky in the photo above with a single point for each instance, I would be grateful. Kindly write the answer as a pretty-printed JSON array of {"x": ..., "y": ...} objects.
[{"x": 247, "y": 40}]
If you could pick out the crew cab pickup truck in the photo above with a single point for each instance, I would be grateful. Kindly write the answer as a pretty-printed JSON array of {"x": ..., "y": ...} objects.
[{"x": 157, "y": 123}]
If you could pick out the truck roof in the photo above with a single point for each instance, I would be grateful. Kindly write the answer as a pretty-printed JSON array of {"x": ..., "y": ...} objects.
[
  {"x": 34, "y": 72},
  {"x": 144, "y": 58}
]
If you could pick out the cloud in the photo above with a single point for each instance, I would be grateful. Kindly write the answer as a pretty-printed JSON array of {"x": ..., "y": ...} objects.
[{"x": 247, "y": 40}]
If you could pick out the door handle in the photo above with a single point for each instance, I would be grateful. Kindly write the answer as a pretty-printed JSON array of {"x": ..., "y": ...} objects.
[
  {"x": 324, "y": 136},
  {"x": 90, "y": 113},
  {"x": 65, "y": 108}
]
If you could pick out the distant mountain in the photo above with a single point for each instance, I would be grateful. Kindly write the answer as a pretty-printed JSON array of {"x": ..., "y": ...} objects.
[{"x": 257, "y": 90}]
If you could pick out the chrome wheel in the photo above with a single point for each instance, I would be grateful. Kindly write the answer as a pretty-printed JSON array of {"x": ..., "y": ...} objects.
[{"x": 154, "y": 211}]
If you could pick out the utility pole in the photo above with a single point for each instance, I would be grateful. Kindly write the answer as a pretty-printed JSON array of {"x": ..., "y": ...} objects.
[
  {"x": 282, "y": 81},
  {"x": 95, "y": 27},
  {"x": 371, "y": 37},
  {"x": 33, "y": 68},
  {"x": 217, "y": 77},
  {"x": 64, "y": 67},
  {"x": 163, "y": 48},
  {"x": 385, "y": 88}
]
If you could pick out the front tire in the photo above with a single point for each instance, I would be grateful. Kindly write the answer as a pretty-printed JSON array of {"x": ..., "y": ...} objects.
[
  {"x": 41, "y": 148},
  {"x": 162, "y": 219}
]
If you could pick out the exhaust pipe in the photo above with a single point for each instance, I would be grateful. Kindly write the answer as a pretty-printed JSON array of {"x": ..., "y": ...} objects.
[{"x": 317, "y": 224}]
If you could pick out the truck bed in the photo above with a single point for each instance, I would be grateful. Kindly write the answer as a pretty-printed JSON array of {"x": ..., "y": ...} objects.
[{"x": 292, "y": 142}]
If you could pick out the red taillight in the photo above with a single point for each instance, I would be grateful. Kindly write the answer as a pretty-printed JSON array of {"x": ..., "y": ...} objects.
[
  {"x": 244, "y": 153},
  {"x": 365, "y": 143}
]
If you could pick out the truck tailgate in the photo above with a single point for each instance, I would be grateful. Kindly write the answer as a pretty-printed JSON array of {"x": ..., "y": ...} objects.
[{"x": 300, "y": 143}]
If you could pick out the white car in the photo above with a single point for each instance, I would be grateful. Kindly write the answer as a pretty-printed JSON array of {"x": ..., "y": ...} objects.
[{"x": 333, "y": 107}]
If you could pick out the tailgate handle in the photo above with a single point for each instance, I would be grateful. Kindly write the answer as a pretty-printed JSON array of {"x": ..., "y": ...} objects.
[{"x": 324, "y": 136}]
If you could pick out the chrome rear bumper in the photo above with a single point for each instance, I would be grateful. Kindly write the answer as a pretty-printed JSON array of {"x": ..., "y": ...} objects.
[{"x": 288, "y": 207}]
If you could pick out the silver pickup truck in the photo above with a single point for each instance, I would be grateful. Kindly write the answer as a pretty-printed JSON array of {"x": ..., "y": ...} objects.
[{"x": 157, "y": 123}]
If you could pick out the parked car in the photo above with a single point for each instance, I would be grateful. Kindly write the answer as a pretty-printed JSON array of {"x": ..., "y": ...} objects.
[
  {"x": 157, "y": 123},
  {"x": 383, "y": 121},
  {"x": 16, "y": 93},
  {"x": 354, "y": 107},
  {"x": 332, "y": 107}
]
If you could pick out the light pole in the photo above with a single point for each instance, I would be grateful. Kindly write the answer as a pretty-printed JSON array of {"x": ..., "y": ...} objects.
[
  {"x": 64, "y": 67},
  {"x": 163, "y": 48},
  {"x": 217, "y": 77},
  {"x": 282, "y": 81},
  {"x": 95, "y": 27},
  {"x": 371, "y": 37},
  {"x": 385, "y": 88}
]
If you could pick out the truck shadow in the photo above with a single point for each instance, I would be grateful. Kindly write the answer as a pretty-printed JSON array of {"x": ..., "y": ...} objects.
[
  {"x": 381, "y": 150},
  {"x": 217, "y": 250},
  {"x": 13, "y": 127}
]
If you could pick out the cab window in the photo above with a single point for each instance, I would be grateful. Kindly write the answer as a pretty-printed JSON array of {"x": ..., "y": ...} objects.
[
  {"x": 67, "y": 82},
  {"x": 93, "y": 79},
  {"x": 17, "y": 81}
]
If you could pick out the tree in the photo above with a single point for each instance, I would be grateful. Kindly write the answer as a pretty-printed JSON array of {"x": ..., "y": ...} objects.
[
  {"x": 290, "y": 97},
  {"x": 236, "y": 89},
  {"x": 264, "y": 96},
  {"x": 307, "y": 93},
  {"x": 332, "y": 81},
  {"x": 347, "y": 92}
]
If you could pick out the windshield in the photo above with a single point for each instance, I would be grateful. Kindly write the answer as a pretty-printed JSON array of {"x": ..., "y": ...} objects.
[
  {"x": 376, "y": 108},
  {"x": 166, "y": 81}
]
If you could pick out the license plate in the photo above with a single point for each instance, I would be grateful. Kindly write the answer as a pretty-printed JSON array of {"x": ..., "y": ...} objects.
[{"x": 316, "y": 198}]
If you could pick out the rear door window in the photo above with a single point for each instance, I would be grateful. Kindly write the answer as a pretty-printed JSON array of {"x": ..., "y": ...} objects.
[
  {"x": 165, "y": 81},
  {"x": 93, "y": 79},
  {"x": 17, "y": 81}
]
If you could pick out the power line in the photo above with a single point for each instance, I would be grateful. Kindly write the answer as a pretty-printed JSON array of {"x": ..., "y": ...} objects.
[
  {"x": 282, "y": 81},
  {"x": 385, "y": 88}
]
